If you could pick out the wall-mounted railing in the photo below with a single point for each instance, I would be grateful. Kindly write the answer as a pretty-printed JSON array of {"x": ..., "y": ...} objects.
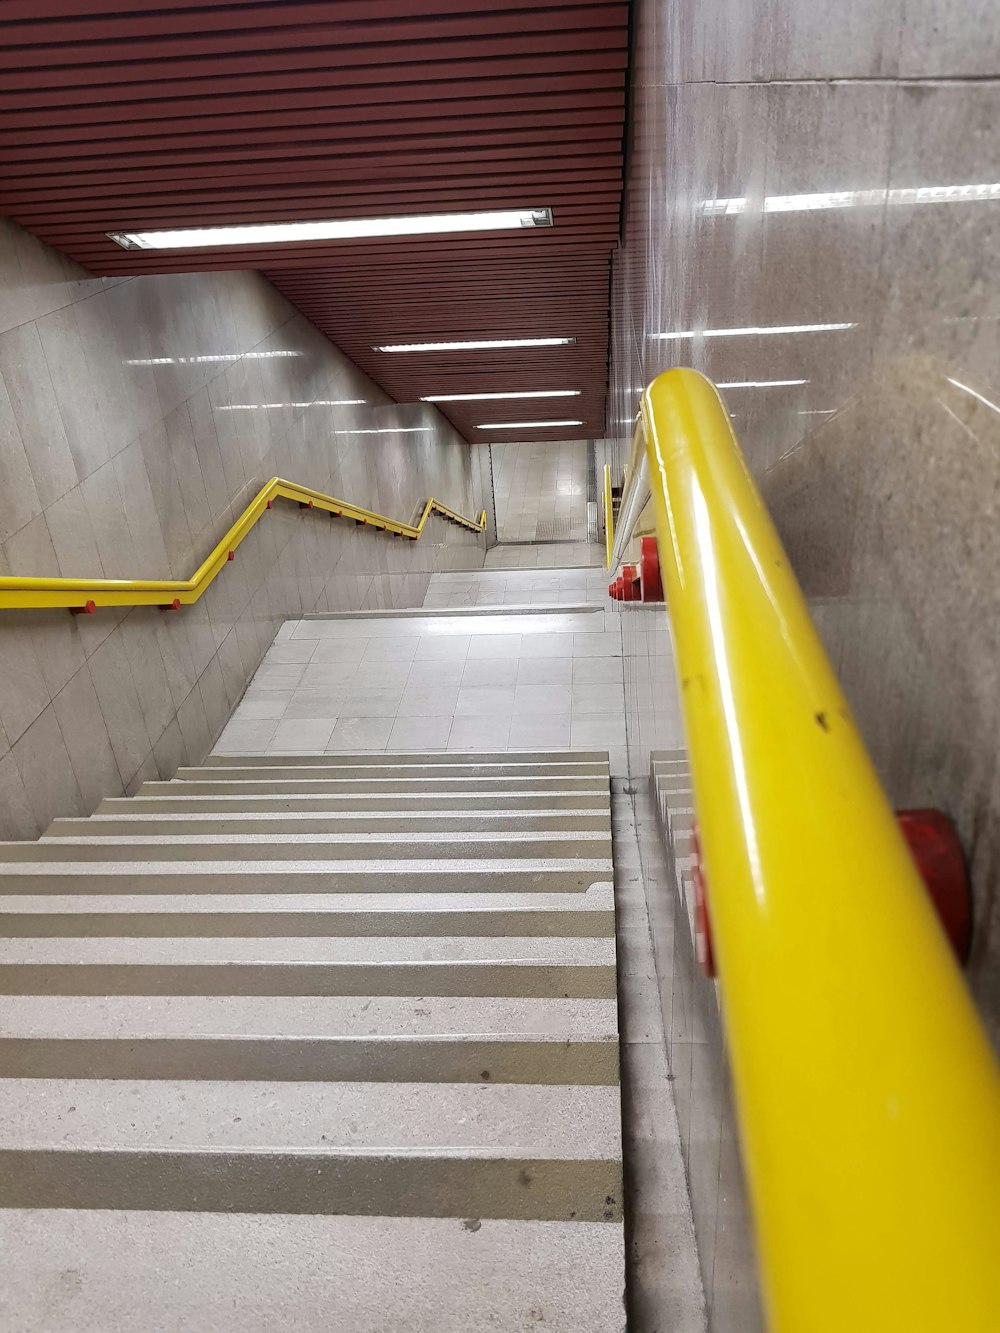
[
  {"x": 83, "y": 594},
  {"x": 867, "y": 1095},
  {"x": 609, "y": 517}
]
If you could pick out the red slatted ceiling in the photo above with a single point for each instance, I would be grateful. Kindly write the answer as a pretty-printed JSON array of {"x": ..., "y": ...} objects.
[{"x": 125, "y": 115}]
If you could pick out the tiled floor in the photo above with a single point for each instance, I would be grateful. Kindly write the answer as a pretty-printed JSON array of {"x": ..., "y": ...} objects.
[
  {"x": 497, "y": 681},
  {"x": 541, "y": 491},
  {"x": 518, "y": 587},
  {"x": 544, "y": 555}
]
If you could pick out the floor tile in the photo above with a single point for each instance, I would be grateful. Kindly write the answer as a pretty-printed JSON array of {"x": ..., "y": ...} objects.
[
  {"x": 493, "y": 646},
  {"x": 245, "y": 737},
  {"x": 420, "y": 733},
  {"x": 591, "y": 729},
  {"x": 600, "y": 698},
  {"x": 479, "y": 733},
  {"x": 301, "y": 734},
  {"x": 484, "y": 700},
  {"x": 533, "y": 731},
  {"x": 442, "y": 648},
  {"x": 391, "y": 650},
  {"x": 545, "y": 670},
  {"x": 547, "y": 645},
  {"x": 430, "y": 699},
  {"x": 435, "y": 673},
  {"x": 337, "y": 650},
  {"x": 542, "y": 699},
  {"x": 360, "y": 733},
  {"x": 283, "y": 677},
  {"x": 596, "y": 670},
  {"x": 606, "y": 644},
  {"x": 316, "y": 703},
  {"x": 482, "y": 671},
  {"x": 269, "y": 705},
  {"x": 363, "y": 702}
]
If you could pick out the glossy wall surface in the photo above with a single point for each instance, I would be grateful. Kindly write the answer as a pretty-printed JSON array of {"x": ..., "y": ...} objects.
[
  {"x": 787, "y": 171},
  {"x": 137, "y": 418}
]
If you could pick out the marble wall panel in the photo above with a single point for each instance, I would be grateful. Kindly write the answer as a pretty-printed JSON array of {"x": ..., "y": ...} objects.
[
  {"x": 791, "y": 167},
  {"x": 137, "y": 418}
]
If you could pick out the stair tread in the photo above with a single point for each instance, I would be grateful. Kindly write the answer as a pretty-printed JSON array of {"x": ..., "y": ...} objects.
[
  {"x": 240, "y": 1269},
  {"x": 503, "y": 1119},
  {"x": 352, "y": 949},
  {"x": 308, "y": 1016}
]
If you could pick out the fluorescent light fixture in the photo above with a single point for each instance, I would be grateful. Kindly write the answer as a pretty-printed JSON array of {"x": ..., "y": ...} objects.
[
  {"x": 524, "y": 425},
  {"x": 489, "y": 397},
  {"x": 316, "y": 402},
  {"x": 824, "y": 199},
  {"x": 759, "y": 384},
  {"x": 752, "y": 331},
  {"x": 335, "y": 229},
  {"x": 390, "y": 430},
  {"x": 475, "y": 345},
  {"x": 965, "y": 389},
  {"x": 202, "y": 360}
]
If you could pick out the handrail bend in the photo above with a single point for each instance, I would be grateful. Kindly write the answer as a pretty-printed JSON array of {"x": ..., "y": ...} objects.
[
  {"x": 867, "y": 1095},
  {"x": 89, "y": 594}
]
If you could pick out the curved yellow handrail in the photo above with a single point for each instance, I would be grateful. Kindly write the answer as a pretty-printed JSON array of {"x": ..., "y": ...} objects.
[
  {"x": 609, "y": 520},
  {"x": 867, "y": 1095},
  {"x": 90, "y": 594}
]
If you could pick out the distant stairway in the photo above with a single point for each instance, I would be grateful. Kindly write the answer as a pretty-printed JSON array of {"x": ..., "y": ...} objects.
[{"x": 322, "y": 1041}]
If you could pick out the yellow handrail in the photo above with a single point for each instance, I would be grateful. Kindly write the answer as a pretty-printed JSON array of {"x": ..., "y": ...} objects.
[
  {"x": 867, "y": 1095},
  {"x": 83, "y": 593},
  {"x": 609, "y": 520}
]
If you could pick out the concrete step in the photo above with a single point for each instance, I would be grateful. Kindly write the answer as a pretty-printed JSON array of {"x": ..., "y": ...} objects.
[
  {"x": 291, "y": 767},
  {"x": 142, "y": 877},
  {"x": 221, "y": 782},
  {"x": 362, "y": 1274},
  {"x": 370, "y": 989},
  {"x": 493, "y": 1120},
  {"x": 417, "y": 821},
  {"x": 544, "y": 979},
  {"x": 407, "y": 758},
  {"x": 327, "y": 847},
  {"x": 391, "y": 1183},
  {"x": 587, "y": 915},
  {"x": 534, "y": 1059},
  {"x": 348, "y": 1018},
  {"x": 173, "y": 798},
  {"x": 368, "y": 949}
]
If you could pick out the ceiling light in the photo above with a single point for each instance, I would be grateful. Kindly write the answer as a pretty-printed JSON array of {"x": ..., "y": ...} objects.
[
  {"x": 316, "y": 402},
  {"x": 391, "y": 430},
  {"x": 824, "y": 199},
  {"x": 476, "y": 345},
  {"x": 524, "y": 425},
  {"x": 486, "y": 397},
  {"x": 751, "y": 331},
  {"x": 335, "y": 229},
  {"x": 200, "y": 360},
  {"x": 759, "y": 384}
]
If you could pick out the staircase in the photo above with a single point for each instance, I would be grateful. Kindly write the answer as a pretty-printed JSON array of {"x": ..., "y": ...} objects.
[{"x": 318, "y": 1041}]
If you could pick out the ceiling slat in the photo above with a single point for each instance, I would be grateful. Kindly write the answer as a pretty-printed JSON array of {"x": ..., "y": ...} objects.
[{"x": 131, "y": 114}]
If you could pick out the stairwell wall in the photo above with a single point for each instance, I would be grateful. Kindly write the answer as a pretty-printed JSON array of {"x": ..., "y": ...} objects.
[
  {"x": 137, "y": 419},
  {"x": 829, "y": 183}
]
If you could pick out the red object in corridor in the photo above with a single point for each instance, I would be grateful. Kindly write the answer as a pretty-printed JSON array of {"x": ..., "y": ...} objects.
[
  {"x": 702, "y": 922},
  {"x": 934, "y": 844},
  {"x": 649, "y": 571}
]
